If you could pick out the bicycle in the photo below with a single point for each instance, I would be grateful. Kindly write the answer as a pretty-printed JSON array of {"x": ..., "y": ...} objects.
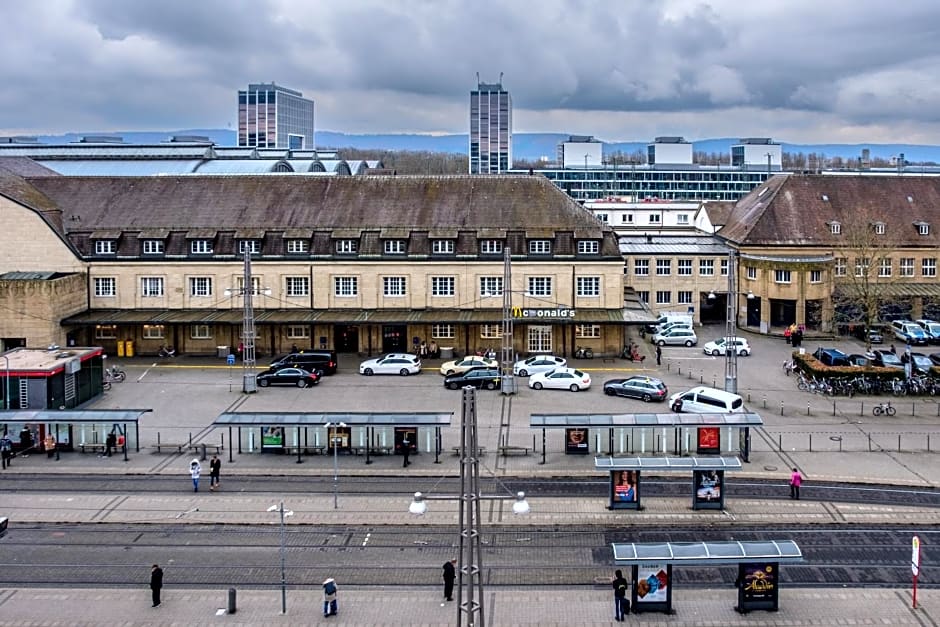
[
  {"x": 105, "y": 384},
  {"x": 883, "y": 408}
]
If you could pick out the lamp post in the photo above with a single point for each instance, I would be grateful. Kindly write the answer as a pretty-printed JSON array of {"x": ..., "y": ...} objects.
[
  {"x": 335, "y": 440},
  {"x": 6, "y": 393},
  {"x": 731, "y": 318},
  {"x": 249, "y": 376},
  {"x": 280, "y": 508}
]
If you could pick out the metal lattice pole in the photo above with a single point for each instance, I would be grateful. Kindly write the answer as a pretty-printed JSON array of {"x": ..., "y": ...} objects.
[
  {"x": 249, "y": 375},
  {"x": 731, "y": 329},
  {"x": 507, "y": 359},
  {"x": 470, "y": 566}
]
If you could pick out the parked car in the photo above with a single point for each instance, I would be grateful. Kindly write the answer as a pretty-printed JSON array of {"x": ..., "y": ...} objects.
[
  {"x": 672, "y": 325},
  {"x": 561, "y": 379},
  {"x": 921, "y": 362},
  {"x": 641, "y": 387},
  {"x": 393, "y": 363},
  {"x": 459, "y": 366},
  {"x": 861, "y": 361},
  {"x": 909, "y": 332},
  {"x": 676, "y": 337},
  {"x": 289, "y": 376},
  {"x": 885, "y": 359},
  {"x": 720, "y": 346},
  {"x": 538, "y": 363},
  {"x": 323, "y": 360},
  {"x": 706, "y": 400},
  {"x": 875, "y": 334},
  {"x": 831, "y": 356},
  {"x": 931, "y": 328},
  {"x": 481, "y": 377},
  {"x": 935, "y": 358}
]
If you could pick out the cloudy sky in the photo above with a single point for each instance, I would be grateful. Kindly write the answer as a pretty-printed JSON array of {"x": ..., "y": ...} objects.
[{"x": 795, "y": 70}]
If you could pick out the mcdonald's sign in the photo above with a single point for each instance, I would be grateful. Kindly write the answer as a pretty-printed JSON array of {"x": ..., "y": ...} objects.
[{"x": 543, "y": 313}]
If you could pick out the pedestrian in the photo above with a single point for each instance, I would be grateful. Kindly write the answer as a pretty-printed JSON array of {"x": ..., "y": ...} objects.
[
  {"x": 6, "y": 449},
  {"x": 450, "y": 573},
  {"x": 194, "y": 471},
  {"x": 26, "y": 441},
  {"x": 156, "y": 583},
  {"x": 405, "y": 451},
  {"x": 49, "y": 445},
  {"x": 659, "y": 355},
  {"x": 215, "y": 469},
  {"x": 110, "y": 443},
  {"x": 893, "y": 350},
  {"x": 293, "y": 349},
  {"x": 786, "y": 334},
  {"x": 621, "y": 603},
  {"x": 796, "y": 480},
  {"x": 329, "y": 598}
]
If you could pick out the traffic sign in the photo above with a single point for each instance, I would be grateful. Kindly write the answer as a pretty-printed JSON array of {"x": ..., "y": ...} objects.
[{"x": 915, "y": 556}]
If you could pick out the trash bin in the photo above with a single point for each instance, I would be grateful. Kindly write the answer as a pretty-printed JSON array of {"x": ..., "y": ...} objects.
[
  {"x": 447, "y": 352},
  {"x": 129, "y": 348},
  {"x": 120, "y": 348},
  {"x": 221, "y": 352}
]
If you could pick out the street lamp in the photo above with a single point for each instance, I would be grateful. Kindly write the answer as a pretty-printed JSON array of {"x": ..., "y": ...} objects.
[
  {"x": 335, "y": 441},
  {"x": 731, "y": 323},
  {"x": 280, "y": 508},
  {"x": 249, "y": 376}
]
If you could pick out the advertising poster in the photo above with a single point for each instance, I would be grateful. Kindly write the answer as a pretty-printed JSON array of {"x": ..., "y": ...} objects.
[
  {"x": 338, "y": 435},
  {"x": 576, "y": 441},
  {"x": 625, "y": 489},
  {"x": 759, "y": 582},
  {"x": 401, "y": 433},
  {"x": 708, "y": 485},
  {"x": 652, "y": 583},
  {"x": 272, "y": 437},
  {"x": 709, "y": 441}
]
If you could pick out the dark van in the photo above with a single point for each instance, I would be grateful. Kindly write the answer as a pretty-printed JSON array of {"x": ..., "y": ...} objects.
[{"x": 308, "y": 360}]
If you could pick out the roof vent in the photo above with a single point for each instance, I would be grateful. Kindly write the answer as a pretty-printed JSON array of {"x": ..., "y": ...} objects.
[
  {"x": 825, "y": 198},
  {"x": 910, "y": 199}
]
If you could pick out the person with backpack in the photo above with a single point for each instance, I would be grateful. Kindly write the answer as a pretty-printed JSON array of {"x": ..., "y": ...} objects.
[
  {"x": 621, "y": 602},
  {"x": 329, "y": 598},
  {"x": 6, "y": 449}
]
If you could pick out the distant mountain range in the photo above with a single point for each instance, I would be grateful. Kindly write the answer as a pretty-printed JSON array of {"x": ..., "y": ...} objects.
[{"x": 528, "y": 146}]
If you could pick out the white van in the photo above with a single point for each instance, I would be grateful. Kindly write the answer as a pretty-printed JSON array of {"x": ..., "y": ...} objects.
[
  {"x": 705, "y": 400},
  {"x": 673, "y": 316}
]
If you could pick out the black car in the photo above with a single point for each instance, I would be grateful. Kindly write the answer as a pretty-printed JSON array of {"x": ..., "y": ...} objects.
[
  {"x": 922, "y": 363},
  {"x": 322, "y": 360},
  {"x": 488, "y": 378},
  {"x": 289, "y": 376},
  {"x": 645, "y": 388}
]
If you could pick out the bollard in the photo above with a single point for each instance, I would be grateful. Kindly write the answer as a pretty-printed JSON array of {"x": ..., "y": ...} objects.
[
  {"x": 899, "y": 443},
  {"x": 833, "y": 408},
  {"x": 869, "y": 443},
  {"x": 928, "y": 442},
  {"x": 765, "y": 402},
  {"x": 748, "y": 397},
  {"x": 678, "y": 368},
  {"x": 231, "y": 601},
  {"x": 861, "y": 410},
  {"x": 913, "y": 408},
  {"x": 669, "y": 367},
  {"x": 715, "y": 382},
  {"x": 781, "y": 408},
  {"x": 810, "y": 442},
  {"x": 779, "y": 441},
  {"x": 203, "y": 447},
  {"x": 807, "y": 409},
  {"x": 690, "y": 373}
]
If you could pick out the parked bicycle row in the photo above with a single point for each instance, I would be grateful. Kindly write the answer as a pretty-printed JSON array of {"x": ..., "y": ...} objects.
[{"x": 918, "y": 385}]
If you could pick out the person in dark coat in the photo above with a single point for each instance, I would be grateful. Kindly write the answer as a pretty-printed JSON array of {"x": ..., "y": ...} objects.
[
  {"x": 405, "y": 452},
  {"x": 659, "y": 355},
  {"x": 450, "y": 573},
  {"x": 156, "y": 583},
  {"x": 621, "y": 604},
  {"x": 215, "y": 469}
]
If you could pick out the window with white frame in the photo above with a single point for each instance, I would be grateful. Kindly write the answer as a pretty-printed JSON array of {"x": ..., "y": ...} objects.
[
  {"x": 835, "y": 228},
  {"x": 105, "y": 331},
  {"x": 663, "y": 267},
  {"x": 654, "y": 218},
  {"x": 706, "y": 267},
  {"x": 781, "y": 276},
  {"x": 491, "y": 246},
  {"x": 724, "y": 267},
  {"x": 929, "y": 267},
  {"x": 105, "y": 287},
  {"x": 540, "y": 246},
  {"x": 255, "y": 285},
  {"x": 682, "y": 218},
  {"x": 587, "y": 331},
  {"x": 641, "y": 267},
  {"x": 394, "y": 286},
  {"x": 923, "y": 228},
  {"x": 347, "y": 246},
  {"x": 200, "y": 286},
  {"x": 296, "y": 246},
  {"x": 298, "y": 332},
  {"x": 861, "y": 266},
  {"x": 153, "y": 247},
  {"x": 588, "y": 247},
  {"x": 200, "y": 332},
  {"x": 588, "y": 286},
  {"x": 442, "y": 246},
  {"x": 684, "y": 297},
  {"x": 200, "y": 246},
  {"x": 684, "y": 267},
  {"x": 540, "y": 285},
  {"x": 906, "y": 266},
  {"x": 345, "y": 286},
  {"x": 154, "y": 332},
  {"x": 626, "y": 218},
  {"x": 878, "y": 228},
  {"x": 841, "y": 265},
  {"x": 643, "y": 295},
  {"x": 815, "y": 276},
  {"x": 394, "y": 247},
  {"x": 252, "y": 246},
  {"x": 491, "y": 286},
  {"x": 442, "y": 331},
  {"x": 603, "y": 217},
  {"x": 751, "y": 273},
  {"x": 491, "y": 331},
  {"x": 105, "y": 247},
  {"x": 885, "y": 267},
  {"x": 151, "y": 286},
  {"x": 539, "y": 338},
  {"x": 663, "y": 297},
  {"x": 442, "y": 285},
  {"x": 297, "y": 285}
]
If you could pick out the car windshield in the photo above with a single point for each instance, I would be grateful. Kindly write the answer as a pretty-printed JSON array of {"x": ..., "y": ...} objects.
[{"x": 890, "y": 358}]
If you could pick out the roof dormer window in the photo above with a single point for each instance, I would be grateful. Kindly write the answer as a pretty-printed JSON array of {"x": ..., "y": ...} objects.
[
  {"x": 878, "y": 228},
  {"x": 540, "y": 246},
  {"x": 106, "y": 247},
  {"x": 394, "y": 247},
  {"x": 835, "y": 227},
  {"x": 252, "y": 246},
  {"x": 923, "y": 228}
]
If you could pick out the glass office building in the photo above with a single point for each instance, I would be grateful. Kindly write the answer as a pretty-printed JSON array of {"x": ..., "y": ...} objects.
[
  {"x": 490, "y": 129},
  {"x": 271, "y": 116}
]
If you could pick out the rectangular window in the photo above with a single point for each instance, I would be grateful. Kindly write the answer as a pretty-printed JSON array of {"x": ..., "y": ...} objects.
[
  {"x": 588, "y": 247},
  {"x": 540, "y": 247},
  {"x": 151, "y": 286},
  {"x": 253, "y": 246},
  {"x": 491, "y": 246},
  {"x": 297, "y": 246},
  {"x": 255, "y": 285},
  {"x": 442, "y": 246},
  {"x": 584, "y": 331},
  {"x": 706, "y": 267},
  {"x": 841, "y": 263},
  {"x": 491, "y": 331},
  {"x": 861, "y": 266},
  {"x": 885, "y": 268},
  {"x": 106, "y": 332},
  {"x": 663, "y": 297},
  {"x": 724, "y": 267},
  {"x": 781, "y": 276},
  {"x": 491, "y": 286},
  {"x": 539, "y": 338},
  {"x": 929, "y": 267},
  {"x": 153, "y": 247},
  {"x": 751, "y": 273},
  {"x": 394, "y": 247},
  {"x": 394, "y": 286},
  {"x": 682, "y": 218},
  {"x": 200, "y": 286},
  {"x": 154, "y": 332},
  {"x": 663, "y": 267},
  {"x": 626, "y": 218},
  {"x": 298, "y": 285},
  {"x": 835, "y": 228},
  {"x": 654, "y": 218},
  {"x": 442, "y": 286},
  {"x": 442, "y": 331},
  {"x": 643, "y": 295},
  {"x": 684, "y": 297},
  {"x": 684, "y": 267},
  {"x": 815, "y": 276},
  {"x": 105, "y": 247},
  {"x": 588, "y": 286},
  {"x": 346, "y": 286},
  {"x": 200, "y": 247},
  {"x": 603, "y": 217},
  {"x": 200, "y": 332},
  {"x": 105, "y": 287},
  {"x": 641, "y": 267},
  {"x": 540, "y": 285},
  {"x": 298, "y": 332},
  {"x": 879, "y": 228},
  {"x": 907, "y": 266},
  {"x": 347, "y": 246},
  {"x": 923, "y": 228}
]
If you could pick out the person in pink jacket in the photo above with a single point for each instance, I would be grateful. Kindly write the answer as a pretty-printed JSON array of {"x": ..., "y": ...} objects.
[{"x": 796, "y": 480}]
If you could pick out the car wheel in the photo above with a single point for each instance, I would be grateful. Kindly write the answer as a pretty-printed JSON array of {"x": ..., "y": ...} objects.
[
  {"x": 263, "y": 383},
  {"x": 523, "y": 373},
  {"x": 743, "y": 353},
  {"x": 610, "y": 392},
  {"x": 646, "y": 398},
  {"x": 490, "y": 385},
  {"x": 574, "y": 387},
  {"x": 716, "y": 352},
  {"x": 689, "y": 343},
  {"x": 537, "y": 386},
  {"x": 368, "y": 372},
  {"x": 661, "y": 342},
  {"x": 301, "y": 384},
  {"x": 404, "y": 372},
  {"x": 453, "y": 385}
]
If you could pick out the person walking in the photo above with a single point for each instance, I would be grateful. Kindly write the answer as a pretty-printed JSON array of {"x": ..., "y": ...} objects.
[
  {"x": 450, "y": 573},
  {"x": 329, "y": 598},
  {"x": 156, "y": 583},
  {"x": 6, "y": 449},
  {"x": 796, "y": 480},
  {"x": 405, "y": 451},
  {"x": 621, "y": 604},
  {"x": 194, "y": 471},
  {"x": 659, "y": 355},
  {"x": 215, "y": 469},
  {"x": 49, "y": 445},
  {"x": 26, "y": 441}
]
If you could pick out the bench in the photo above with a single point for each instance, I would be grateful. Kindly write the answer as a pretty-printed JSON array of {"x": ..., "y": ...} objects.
[
  {"x": 94, "y": 448},
  {"x": 306, "y": 450},
  {"x": 162, "y": 445},
  {"x": 373, "y": 450},
  {"x": 514, "y": 450},
  {"x": 218, "y": 448},
  {"x": 481, "y": 450}
]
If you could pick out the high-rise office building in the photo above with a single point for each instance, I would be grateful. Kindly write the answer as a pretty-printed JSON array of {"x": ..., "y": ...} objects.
[
  {"x": 271, "y": 116},
  {"x": 490, "y": 128}
]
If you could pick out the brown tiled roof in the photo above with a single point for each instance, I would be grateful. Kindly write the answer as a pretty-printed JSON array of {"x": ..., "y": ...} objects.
[
  {"x": 24, "y": 166},
  {"x": 794, "y": 210},
  {"x": 718, "y": 211}
]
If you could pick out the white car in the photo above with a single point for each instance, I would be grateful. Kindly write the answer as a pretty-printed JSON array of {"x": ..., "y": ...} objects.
[
  {"x": 459, "y": 366},
  {"x": 720, "y": 346},
  {"x": 561, "y": 379},
  {"x": 538, "y": 363},
  {"x": 393, "y": 363}
]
